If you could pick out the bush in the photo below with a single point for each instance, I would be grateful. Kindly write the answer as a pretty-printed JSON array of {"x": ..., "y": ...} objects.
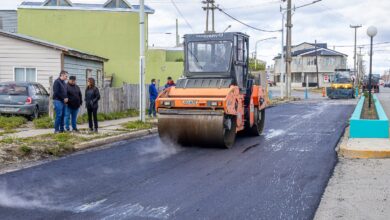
[
  {"x": 43, "y": 122},
  {"x": 25, "y": 149},
  {"x": 137, "y": 125},
  {"x": 9, "y": 123},
  {"x": 110, "y": 116}
]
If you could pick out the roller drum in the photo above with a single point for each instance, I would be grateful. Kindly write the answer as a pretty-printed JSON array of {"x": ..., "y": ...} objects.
[{"x": 197, "y": 130}]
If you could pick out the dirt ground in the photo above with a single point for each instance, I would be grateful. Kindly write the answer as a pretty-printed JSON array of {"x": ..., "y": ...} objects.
[{"x": 369, "y": 113}]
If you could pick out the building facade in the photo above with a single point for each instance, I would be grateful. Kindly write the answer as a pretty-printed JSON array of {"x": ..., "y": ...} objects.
[
  {"x": 304, "y": 64},
  {"x": 108, "y": 30},
  {"x": 25, "y": 58},
  {"x": 8, "y": 21},
  {"x": 164, "y": 62}
]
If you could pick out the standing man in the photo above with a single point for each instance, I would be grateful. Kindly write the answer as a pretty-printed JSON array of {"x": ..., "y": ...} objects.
[
  {"x": 60, "y": 98},
  {"x": 170, "y": 82},
  {"x": 74, "y": 103},
  {"x": 153, "y": 93}
]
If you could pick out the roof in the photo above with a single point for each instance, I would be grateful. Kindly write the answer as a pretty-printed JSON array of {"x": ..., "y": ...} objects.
[
  {"x": 322, "y": 50},
  {"x": 84, "y": 6},
  {"x": 166, "y": 48},
  {"x": 66, "y": 50}
]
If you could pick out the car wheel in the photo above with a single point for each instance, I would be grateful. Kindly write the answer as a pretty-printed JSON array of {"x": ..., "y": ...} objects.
[{"x": 35, "y": 113}]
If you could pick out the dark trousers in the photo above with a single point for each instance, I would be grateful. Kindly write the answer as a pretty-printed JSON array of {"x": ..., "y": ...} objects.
[
  {"x": 152, "y": 107},
  {"x": 92, "y": 112}
]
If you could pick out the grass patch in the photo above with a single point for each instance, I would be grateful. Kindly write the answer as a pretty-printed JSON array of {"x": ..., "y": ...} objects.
[
  {"x": 109, "y": 116},
  {"x": 137, "y": 125},
  {"x": 25, "y": 149},
  {"x": 12, "y": 122},
  {"x": 43, "y": 122},
  {"x": 7, "y": 140}
]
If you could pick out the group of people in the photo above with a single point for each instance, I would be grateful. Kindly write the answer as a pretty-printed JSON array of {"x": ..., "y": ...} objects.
[
  {"x": 153, "y": 94},
  {"x": 67, "y": 100}
]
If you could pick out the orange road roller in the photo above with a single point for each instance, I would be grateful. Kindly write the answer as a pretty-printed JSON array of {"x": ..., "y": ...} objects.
[{"x": 216, "y": 98}]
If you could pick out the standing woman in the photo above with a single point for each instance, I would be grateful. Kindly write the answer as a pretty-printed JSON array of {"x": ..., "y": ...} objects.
[{"x": 92, "y": 97}]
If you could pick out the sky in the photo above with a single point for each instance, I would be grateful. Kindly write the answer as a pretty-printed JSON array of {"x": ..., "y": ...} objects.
[{"x": 327, "y": 21}]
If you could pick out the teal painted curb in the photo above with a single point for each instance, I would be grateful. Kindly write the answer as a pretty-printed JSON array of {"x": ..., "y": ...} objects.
[{"x": 364, "y": 128}]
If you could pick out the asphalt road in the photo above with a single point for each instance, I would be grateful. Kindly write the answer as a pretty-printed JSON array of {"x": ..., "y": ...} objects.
[{"x": 279, "y": 175}]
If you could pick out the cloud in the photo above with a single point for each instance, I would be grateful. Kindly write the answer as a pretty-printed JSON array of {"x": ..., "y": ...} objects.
[{"x": 327, "y": 21}]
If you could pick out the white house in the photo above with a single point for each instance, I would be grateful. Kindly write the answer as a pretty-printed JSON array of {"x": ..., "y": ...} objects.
[
  {"x": 24, "y": 58},
  {"x": 304, "y": 64}
]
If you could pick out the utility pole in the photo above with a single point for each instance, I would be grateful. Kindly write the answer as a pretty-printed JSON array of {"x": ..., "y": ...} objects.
[
  {"x": 142, "y": 96},
  {"x": 354, "y": 56},
  {"x": 288, "y": 49},
  {"x": 360, "y": 64},
  {"x": 282, "y": 69},
  {"x": 209, "y": 6},
  {"x": 177, "y": 33},
  {"x": 318, "y": 75}
]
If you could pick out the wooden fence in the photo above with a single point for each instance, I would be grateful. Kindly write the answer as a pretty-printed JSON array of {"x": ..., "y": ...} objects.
[
  {"x": 112, "y": 99},
  {"x": 118, "y": 99}
]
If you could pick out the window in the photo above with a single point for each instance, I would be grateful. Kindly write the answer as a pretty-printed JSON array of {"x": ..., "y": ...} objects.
[
  {"x": 99, "y": 77},
  {"x": 25, "y": 74},
  {"x": 117, "y": 4},
  {"x": 37, "y": 90},
  {"x": 88, "y": 75},
  {"x": 210, "y": 56},
  {"x": 57, "y": 3},
  {"x": 12, "y": 89},
  {"x": 43, "y": 90}
]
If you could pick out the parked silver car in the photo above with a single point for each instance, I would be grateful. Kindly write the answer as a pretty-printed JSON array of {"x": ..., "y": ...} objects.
[{"x": 23, "y": 98}]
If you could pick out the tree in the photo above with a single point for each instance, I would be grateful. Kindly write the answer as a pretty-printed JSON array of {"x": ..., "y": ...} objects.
[{"x": 252, "y": 63}]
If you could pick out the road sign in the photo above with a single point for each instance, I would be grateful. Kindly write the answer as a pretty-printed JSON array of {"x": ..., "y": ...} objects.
[{"x": 326, "y": 78}]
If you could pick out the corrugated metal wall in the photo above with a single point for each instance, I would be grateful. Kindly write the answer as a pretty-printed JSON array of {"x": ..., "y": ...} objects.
[
  {"x": 78, "y": 67},
  {"x": 9, "y": 21}
]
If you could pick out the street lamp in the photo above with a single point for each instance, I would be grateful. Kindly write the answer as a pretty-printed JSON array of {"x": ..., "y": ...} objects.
[
  {"x": 227, "y": 28},
  {"x": 371, "y": 32},
  {"x": 269, "y": 38}
]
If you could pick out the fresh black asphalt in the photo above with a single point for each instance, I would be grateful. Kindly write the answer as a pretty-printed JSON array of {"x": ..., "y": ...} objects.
[{"x": 279, "y": 175}]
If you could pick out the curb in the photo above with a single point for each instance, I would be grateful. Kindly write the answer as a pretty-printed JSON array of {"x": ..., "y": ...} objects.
[
  {"x": 364, "y": 148},
  {"x": 116, "y": 138},
  {"x": 363, "y": 154}
]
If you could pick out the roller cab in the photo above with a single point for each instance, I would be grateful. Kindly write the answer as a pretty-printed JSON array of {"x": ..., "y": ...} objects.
[
  {"x": 216, "y": 98},
  {"x": 341, "y": 86}
]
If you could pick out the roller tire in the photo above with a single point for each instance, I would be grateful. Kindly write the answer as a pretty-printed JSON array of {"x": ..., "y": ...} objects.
[{"x": 258, "y": 126}]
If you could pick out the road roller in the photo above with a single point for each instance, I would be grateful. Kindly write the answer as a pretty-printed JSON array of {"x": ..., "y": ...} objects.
[
  {"x": 216, "y": 97},
  {"x": 341, "y": 86}
]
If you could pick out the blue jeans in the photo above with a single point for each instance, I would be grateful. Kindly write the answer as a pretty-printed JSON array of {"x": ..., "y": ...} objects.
[
  {"x": 152, "y": 107},
  {"x": 71, "y": 114},
  {"x": 59, "y": 108}
]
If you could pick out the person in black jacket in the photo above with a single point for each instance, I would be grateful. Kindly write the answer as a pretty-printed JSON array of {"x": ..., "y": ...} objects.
[
  {"x": 92, "y": 97},
  {"x": 60, "y": 98},
  {"x": 75, "y": 100}
]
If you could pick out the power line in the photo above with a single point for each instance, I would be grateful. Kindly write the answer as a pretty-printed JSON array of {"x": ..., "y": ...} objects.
[
  {"x": 243, "y": 23},
  {"x": 362, "y": 45},
  {"x": 181, "y": 14},
  {"x": 252, "y": 6}
]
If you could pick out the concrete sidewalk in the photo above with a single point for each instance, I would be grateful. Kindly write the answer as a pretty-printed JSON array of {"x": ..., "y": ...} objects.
[
  {"x": 384, "y": 98},
  {"x": 104, "y": 126}
]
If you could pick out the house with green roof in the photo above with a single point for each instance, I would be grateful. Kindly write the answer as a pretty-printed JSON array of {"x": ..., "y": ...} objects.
[{"x": 109, "y": 30}]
